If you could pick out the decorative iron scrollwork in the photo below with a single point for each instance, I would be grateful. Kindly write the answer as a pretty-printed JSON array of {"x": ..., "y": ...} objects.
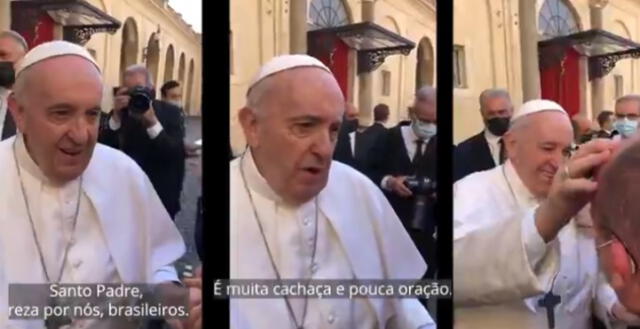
[
  {"x": 599, "y": 66},
  {"x": 370, "y": 60},
  {"x": 82, "y": 34}
]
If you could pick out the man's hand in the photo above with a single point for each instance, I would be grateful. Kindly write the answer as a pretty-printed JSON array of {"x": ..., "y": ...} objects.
[
  {"x": 622, "y": 314},
  {"x": 195, "y": 301},
  {"x": 572, "y": 187},
  {"x": 149, "y": 118},
  {"x": 396, "y": 184},
  {"x": 121, "y": 102}
]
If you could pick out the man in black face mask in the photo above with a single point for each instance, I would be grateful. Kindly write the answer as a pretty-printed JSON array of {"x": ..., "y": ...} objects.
[
  {"x": 485, "y": 150},
  {"x": 12, "y": 48}
]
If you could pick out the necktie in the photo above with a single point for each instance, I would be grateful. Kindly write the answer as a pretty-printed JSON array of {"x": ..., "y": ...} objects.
[
  {"x": 418, "y": 154},
  {"x": 503, "y": 154}
]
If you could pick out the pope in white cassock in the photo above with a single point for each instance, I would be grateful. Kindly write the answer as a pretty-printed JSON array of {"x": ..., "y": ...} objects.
[
  {"x": 295, "y": 214},
  {"x": 71, "y": 210},
  {"x": 524, "y": 249}
]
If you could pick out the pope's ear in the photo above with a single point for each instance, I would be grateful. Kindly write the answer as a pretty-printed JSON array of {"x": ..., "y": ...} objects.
[
  {"x": 510, "y": 144},
  {"x": 17, "y": 112},
  {"x": 249, "y": 123}
]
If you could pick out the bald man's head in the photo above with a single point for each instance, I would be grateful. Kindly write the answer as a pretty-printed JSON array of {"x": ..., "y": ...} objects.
[
  {"x": 291, "y": 123},
  {"x": 56, "y": 106}
]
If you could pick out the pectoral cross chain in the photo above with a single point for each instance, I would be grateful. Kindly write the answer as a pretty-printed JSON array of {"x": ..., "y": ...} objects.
[{"x": 549, "y": 302}]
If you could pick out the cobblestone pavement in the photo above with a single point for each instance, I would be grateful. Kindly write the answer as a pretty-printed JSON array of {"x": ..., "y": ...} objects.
[{"x": 191, "y": 190}]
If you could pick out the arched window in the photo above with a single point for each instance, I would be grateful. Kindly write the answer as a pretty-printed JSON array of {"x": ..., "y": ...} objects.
[
  {"x": 327, "y": 13},
  {"x": 556, "y": 19}
]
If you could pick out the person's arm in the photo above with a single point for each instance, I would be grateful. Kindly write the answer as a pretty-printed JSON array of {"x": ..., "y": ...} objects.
[
  {"x": 167, "y": 134},
  {"x": 522, "y": 266},
  {"x": 109, "y": 132}
]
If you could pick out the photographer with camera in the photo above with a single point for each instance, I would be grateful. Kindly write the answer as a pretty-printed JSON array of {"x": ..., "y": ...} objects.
[
  {"x": 12, "y": 48},
  {"x": 151, "y": 132},
  {"x": 404, "y": 165}
]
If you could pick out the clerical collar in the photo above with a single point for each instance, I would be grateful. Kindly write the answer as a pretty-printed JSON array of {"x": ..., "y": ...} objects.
[
  {"x": 26, "y": 161},
  {"x": 255, "y": 180},
  {"x": 523, "y": 196}
]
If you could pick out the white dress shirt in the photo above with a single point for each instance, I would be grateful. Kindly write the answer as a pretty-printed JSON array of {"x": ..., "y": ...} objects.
[
  {"x": 4, "y": 106},
  {"x": 152, "y": 131},
  {"x": 409, "y": 138},
  {"x": 494, "y": 145}
]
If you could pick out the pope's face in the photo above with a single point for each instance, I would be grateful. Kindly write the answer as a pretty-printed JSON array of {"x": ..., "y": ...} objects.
[
  {"x": 538, "y": 149},
  {"x": 58, "y": 113},
  {"x": 294, "y": 133}
]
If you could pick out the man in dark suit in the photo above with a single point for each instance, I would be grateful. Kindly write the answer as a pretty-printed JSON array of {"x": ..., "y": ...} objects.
[
  {"x": 605, "y": 121},
  {"x": 348, "y": 142},
  {"x": 154, "y": 138},
  {"x": 408, "y": 152},
  {"x": 12, "y": 48},
  {"x": 371, "y": 135},
  {"x": 485, "y": 150}
]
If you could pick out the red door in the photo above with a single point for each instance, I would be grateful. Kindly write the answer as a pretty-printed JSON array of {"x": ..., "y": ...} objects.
[
  {"x": 334, "y": 53},
  {"x": 561, "y": 82}
]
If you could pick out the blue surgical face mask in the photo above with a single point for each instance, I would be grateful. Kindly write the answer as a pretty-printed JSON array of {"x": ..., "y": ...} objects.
[
  {"x": 424, "y": 130},
  {"x": 626, "y": 127}
]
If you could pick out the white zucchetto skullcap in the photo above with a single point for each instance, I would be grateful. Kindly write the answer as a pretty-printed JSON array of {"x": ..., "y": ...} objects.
[
  {"x": 535, "y": 106},
  {"x": 284, "y": 63},
  {"x": 53, "y": 49}
]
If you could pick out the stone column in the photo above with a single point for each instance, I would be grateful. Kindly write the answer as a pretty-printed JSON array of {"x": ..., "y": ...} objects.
[
  {"x": 597, "y": 85},
  {"x": 5, "y": 15},
  {"x": 298, "y": 27},
  {"x": 365, "y": 83},
  {"x": 529, "y": 50}
]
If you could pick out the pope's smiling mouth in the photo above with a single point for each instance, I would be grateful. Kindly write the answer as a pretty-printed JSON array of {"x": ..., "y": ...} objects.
[{"x": 71, "y": 152}]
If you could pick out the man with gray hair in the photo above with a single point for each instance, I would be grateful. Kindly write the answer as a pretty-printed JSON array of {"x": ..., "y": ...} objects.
[
  {"x": 151, "y": 132},
  {"x": 404, "y": 157},
  {"x": 12, "y": 48},
  {"x": 296, "y": 214},
  {"x": 485, "y": 150},
  {"x": 627, "y": 113}
]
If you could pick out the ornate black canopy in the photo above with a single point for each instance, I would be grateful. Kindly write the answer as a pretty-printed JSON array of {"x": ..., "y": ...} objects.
[
  {"x": 372, "y": 42},
  {"x": 80, "y": 19},
  {"x": 603, "y": 49}
]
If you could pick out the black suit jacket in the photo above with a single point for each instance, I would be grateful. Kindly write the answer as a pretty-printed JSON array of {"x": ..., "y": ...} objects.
[
  {"x": 390, "y": 157},
  {"x": 9, "y": 128},
  {"x": 472, "y": 155},
  {"x": 161, "y": 158},
  {"x": 343, "y": 152},
  {"x": 368, "y": 139}
]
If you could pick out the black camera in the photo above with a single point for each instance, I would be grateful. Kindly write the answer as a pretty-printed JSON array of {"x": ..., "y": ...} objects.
[
  {"x": 420, "y": 185},
  {"x": 7, "y": 75},
  {"x": 140, "y": 99},
  {"x": 423, "y": 189}
]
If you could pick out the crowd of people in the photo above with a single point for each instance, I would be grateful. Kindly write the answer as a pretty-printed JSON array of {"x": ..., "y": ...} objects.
[{"x": 89, "y": 212}]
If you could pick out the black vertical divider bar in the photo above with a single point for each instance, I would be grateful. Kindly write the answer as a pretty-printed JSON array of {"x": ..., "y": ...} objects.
[
  {"x": 444, "y": 48},
  {"x": 215, "y": 158}
]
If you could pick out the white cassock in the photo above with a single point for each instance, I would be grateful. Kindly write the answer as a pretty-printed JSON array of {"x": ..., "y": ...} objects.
[
  {"x": 123, "y": 233},
  {"x": 502, "y": 266},
  {"x": 359, "y": 236}
]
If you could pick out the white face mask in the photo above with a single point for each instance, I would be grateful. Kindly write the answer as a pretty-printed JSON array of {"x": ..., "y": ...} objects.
[
  {"x": 424, "y": 130},
  {"x": 176, "y": 103},
  {"x": 626, "y": 127}
]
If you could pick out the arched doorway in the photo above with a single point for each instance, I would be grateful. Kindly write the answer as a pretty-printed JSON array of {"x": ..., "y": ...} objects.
[
  {"x": 129, "y": 46},
  {"x": 189, "y": 100},
  {"x": 425, "y": 64},
  {"x": 169, "y": 63},
  {"x": 181, "y": 69},
  {"x": 342, "y": 61},
  {"x": 563, "y": 80},
  {"x": 153, "y": 56}
]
